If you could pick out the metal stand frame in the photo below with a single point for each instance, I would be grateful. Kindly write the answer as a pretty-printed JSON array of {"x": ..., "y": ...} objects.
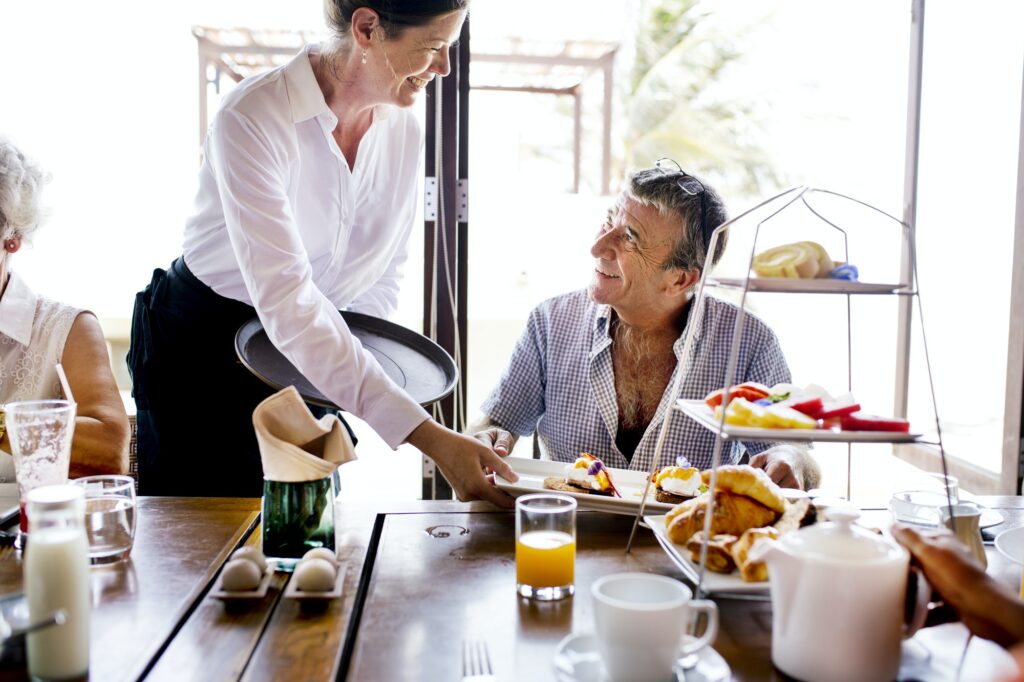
[{"x": 788, "y": 198}]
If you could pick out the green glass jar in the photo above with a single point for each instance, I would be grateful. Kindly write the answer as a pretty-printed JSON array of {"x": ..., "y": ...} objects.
[{"x": 297, "y": 517}]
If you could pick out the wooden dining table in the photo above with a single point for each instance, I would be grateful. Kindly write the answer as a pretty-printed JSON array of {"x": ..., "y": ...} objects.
[{"x": 422, "y": 577}]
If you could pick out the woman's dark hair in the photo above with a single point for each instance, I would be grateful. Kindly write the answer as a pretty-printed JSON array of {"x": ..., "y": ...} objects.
[{"x": 395, "y": 15}]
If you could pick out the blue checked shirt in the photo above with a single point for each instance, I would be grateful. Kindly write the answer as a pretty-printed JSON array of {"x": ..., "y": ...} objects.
[{"x": 559, "y": 383}]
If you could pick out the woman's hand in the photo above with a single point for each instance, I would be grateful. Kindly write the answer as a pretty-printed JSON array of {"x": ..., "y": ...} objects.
[
  {"x": 465, "y": 462},
  {"x": 987, "y": 607}
]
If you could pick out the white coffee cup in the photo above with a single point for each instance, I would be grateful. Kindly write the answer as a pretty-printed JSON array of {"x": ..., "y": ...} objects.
[{"x": 642, "y": 621}]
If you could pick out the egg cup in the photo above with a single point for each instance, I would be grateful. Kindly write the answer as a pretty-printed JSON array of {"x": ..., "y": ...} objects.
[
  {"x": 293, "y": 591},
  {"x": 218, "y": 591}
]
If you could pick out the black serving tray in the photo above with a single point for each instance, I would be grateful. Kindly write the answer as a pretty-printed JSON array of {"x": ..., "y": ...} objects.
[{"x": 411, "y": 360}]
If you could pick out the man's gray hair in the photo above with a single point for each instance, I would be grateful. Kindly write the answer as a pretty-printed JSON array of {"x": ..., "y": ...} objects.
[
  {"x": 660, "y": 188},
  {"x": 21, "y": 182}
]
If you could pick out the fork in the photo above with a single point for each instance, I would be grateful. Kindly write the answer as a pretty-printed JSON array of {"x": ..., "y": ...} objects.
[{"x": 476, "y": 662}]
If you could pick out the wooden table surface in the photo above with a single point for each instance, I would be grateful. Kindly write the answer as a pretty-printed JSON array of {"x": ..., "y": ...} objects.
[
  {"x": 421, "y": 577},
  {"x": 427, "y": 593},
  {"x": 137, "y": 605}
]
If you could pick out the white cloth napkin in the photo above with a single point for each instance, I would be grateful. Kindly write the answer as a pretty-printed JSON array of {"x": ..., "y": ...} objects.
[{"x": 294, "y": 446}]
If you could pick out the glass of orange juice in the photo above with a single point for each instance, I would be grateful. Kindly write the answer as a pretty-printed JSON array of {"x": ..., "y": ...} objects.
[{"x": 545, "y": 546}]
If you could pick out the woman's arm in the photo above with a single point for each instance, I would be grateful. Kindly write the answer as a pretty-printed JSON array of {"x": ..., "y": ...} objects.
[{"x": 100, "y": 445}]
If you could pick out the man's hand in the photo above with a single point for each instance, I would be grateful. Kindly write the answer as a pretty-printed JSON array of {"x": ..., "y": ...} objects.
[
  {"x": 987, "y": 607},
  {"x": 465, "y": 462},
  {"x": 783, "y": 464},
  {"x": 497, "y": 439}
]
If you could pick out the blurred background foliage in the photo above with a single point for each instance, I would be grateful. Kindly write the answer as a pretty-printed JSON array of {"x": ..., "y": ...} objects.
[{"x": 675, "y": 106}]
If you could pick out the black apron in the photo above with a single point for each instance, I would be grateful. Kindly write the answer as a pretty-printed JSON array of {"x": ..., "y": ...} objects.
[{"x": 194, "y": 398}]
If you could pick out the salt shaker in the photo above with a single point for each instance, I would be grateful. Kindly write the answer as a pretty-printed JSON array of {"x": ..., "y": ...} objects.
[
  {"x": 968, "y": 528},
  {"x": 57, "y": 577}
]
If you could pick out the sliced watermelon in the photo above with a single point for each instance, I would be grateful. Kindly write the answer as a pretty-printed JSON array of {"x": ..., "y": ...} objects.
[
  {"x": 859, "y": 421},
  {"x": 831, "y": 410},
  {"x": 809, "y": 407}
]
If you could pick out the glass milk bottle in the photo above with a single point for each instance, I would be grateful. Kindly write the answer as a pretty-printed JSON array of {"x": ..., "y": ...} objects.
[{"x": 57, "y": 577}]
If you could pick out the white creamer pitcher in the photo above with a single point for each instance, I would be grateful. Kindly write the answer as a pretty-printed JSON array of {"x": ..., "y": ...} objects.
[{"x": 838, "y": 594}]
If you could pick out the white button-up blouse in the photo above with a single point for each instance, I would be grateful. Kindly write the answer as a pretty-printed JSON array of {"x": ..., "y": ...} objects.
[{"x": 282, "y": 223}]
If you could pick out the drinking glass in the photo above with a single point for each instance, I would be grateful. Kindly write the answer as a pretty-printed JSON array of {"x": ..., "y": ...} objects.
[
  {"x": 40, "y": 432},
  {"x": 947, "y": 485},
  {"x": 297, "y": 517},
  {"x": 109, "y": 516},
  {"x": 545, "y": 546}
]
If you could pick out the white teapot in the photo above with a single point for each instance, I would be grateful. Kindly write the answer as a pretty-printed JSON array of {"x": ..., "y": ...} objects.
[{"x": 838, "y": 593}]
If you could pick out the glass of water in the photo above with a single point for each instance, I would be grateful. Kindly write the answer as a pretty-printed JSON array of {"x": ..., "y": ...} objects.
[{"x": 109, "y": 516}]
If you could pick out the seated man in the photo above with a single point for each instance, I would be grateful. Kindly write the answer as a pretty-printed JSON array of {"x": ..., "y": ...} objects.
[{"x": 593, "y": 369}]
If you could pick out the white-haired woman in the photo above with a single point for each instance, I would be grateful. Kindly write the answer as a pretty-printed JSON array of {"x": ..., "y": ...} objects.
[
  {"x": 307, "y": 199},
  {"x": 36, "y": 333}
]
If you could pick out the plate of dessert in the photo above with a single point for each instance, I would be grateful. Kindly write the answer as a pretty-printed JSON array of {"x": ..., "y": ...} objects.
[
  {"x": 601, "y": 488},
  {"x": 749, "y": 509}
]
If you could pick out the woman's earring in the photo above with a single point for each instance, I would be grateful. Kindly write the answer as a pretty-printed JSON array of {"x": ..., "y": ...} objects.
[{"x": 364, "y": 56}]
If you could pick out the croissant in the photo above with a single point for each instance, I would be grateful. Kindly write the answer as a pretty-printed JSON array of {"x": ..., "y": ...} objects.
[
  {"x": 732, "y": 515},
  {"x": 719, "y": 558},
  {"x": 752, "y": 571}
]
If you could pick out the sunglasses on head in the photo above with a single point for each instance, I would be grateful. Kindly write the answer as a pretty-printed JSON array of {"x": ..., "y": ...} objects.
[{"x": 693, "y": 187}]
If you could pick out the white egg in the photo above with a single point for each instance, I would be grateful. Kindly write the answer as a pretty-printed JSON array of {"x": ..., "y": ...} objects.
[
  {"x": 240, "y": 575},
  {"x": 321, "y": 553},
  {"x": 315, "y": 575},
  {"x": 253, "y": 554}
]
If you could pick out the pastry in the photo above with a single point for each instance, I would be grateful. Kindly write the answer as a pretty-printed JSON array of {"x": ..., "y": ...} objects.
[
  {"x": 719, "y": 558},
  {"x": 752, "y": 571},
  {"x": 743, "y": 479},
  {"x": 802, "y": 260},
  {"x": 795, "y": 516},
  {"x": 587, "y": 474},
  {"x": 733, "y": 513},
  {"x": 677, "y": 484}
]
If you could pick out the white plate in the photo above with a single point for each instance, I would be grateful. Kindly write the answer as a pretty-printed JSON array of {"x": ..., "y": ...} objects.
[
  {"x": 630, "y": 484},
  {"x": 806, "y": 286},
  {"x": 698, "y": 410},
  {"x": 577, "y": 660},
  {"x": 714, "y": 583},
  {"x": 1010, "y": 544}
]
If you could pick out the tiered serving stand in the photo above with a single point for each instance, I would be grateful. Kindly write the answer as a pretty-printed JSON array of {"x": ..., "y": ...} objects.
[{"x": 772, "y": 209}]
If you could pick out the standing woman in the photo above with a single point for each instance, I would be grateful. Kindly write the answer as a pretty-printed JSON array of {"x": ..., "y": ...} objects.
[{"x": 306, "y": 202}]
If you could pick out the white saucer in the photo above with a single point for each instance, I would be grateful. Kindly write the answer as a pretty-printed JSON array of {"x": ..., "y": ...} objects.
[{"x": 577, "y": 660}]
